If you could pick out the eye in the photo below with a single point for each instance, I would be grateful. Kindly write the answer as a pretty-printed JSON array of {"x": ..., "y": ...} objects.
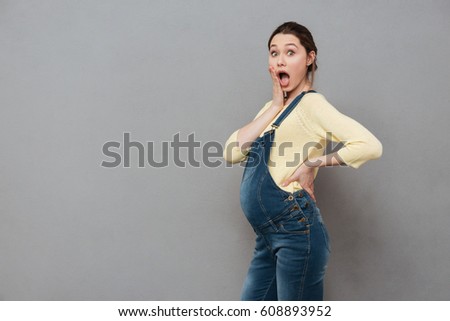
[
  {"x": 290, "y": 52},
  {"x": 273, "y": 53}
]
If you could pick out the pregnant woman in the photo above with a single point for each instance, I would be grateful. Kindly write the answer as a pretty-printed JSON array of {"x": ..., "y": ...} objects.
[{"x": 283, "y": 148}]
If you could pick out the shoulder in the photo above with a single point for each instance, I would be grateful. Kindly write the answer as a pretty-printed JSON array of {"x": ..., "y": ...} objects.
[
  {"x": 312, "y": 99},
  {"x": 316, "y": 105}
]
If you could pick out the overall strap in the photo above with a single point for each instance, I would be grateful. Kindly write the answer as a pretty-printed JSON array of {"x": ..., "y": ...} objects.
[{"x": 290, "y": 108}]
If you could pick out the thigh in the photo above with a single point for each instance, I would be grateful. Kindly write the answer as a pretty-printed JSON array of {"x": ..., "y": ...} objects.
[
  {"x": 293, "y": 256},
  {"x": 317, "y": 265},
  {"x": 301, "y": 263},
  {"x": 260, "y": 283}
]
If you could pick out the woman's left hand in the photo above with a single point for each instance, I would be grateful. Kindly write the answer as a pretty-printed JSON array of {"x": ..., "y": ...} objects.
[{"x": 304, "y": 175}]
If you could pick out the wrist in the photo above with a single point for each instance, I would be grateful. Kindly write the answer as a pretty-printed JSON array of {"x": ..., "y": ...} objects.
[
  {"x": 276, "y": 107},
  {"x": 312, "y": 163}
]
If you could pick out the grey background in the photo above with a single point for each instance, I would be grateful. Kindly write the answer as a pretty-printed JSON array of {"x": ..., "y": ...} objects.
[{"x": 77, "y": 74}]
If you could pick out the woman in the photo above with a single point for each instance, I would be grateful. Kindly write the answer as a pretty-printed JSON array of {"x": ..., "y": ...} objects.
[{"x": 283, "y": 148}]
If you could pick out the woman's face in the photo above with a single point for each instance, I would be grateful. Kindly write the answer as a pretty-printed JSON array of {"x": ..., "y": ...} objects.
[{"x": 290, "y": 60}]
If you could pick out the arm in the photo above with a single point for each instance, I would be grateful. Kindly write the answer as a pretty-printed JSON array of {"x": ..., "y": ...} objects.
[
  {"x": 305, "y": 173},
  {"x": 360, "y": 145},
  {"x": 237, "y": 145}
]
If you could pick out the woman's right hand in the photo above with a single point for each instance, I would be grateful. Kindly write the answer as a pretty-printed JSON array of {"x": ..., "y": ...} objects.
[
  {"x": 277, "y": 92},
  {"x": 247, "y": 134}
]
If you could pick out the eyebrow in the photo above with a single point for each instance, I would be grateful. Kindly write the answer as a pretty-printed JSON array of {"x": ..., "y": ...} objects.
[{"x": 288, "y": 44}]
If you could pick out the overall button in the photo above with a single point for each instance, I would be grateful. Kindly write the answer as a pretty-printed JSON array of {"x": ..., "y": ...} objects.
[
  {"x": 290, "y": 198},
  {"x": 295, "y": 208}
]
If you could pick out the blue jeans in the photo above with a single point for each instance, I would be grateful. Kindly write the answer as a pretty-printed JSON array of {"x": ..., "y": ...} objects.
[{"x": 290, "y": 256}]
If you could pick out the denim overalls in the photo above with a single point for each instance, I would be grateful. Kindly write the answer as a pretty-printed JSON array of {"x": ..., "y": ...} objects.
[{"x": 292, "y": 245}]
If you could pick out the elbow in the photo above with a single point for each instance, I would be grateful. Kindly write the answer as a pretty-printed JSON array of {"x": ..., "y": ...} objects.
[
  {"x": 370, "y": 150},
  {"x": 376, "y": 149},
  {"x": 232, "y": 153},
  {"x": 234, "y": 160},
  {"x": 229, "y": 160},
  {"x": 227, "y": 157}
]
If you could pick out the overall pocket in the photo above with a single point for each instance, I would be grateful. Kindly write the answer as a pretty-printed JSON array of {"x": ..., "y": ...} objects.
[{"x": 294, "y": 223}]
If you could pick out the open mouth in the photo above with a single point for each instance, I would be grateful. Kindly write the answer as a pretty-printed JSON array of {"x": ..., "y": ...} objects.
[{"x": 284, "y": 79}]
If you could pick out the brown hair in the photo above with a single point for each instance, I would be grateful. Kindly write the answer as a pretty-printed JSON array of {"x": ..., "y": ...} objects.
[{"x": 304, "y": 36}]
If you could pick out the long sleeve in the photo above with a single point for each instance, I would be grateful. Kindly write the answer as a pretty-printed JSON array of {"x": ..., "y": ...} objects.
[
  {"x": 359, "y": 144},
  {"x": 233, "y": 153}
]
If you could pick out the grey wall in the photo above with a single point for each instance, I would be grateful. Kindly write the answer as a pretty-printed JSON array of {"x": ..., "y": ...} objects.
[{"x": 77, "y": 74}]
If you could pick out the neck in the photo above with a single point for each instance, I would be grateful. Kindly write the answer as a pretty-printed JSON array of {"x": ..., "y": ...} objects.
[{"x": 304, "y": 85}]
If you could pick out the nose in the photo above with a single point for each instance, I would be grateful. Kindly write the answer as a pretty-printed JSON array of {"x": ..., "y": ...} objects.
[{"x": 280, "y": 61}]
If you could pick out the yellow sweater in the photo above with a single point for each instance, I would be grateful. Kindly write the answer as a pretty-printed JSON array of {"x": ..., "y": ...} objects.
[{"x": 303, "y": 135}]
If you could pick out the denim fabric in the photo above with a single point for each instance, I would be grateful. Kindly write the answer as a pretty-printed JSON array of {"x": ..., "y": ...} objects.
[{"x": 292, "y": 244}]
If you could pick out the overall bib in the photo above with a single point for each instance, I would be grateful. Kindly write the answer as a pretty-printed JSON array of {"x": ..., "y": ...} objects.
[{"x": 292, "y": 245}]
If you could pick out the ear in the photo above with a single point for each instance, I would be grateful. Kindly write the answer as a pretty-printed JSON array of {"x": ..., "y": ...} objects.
[{"x": 311, "y": 57}]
